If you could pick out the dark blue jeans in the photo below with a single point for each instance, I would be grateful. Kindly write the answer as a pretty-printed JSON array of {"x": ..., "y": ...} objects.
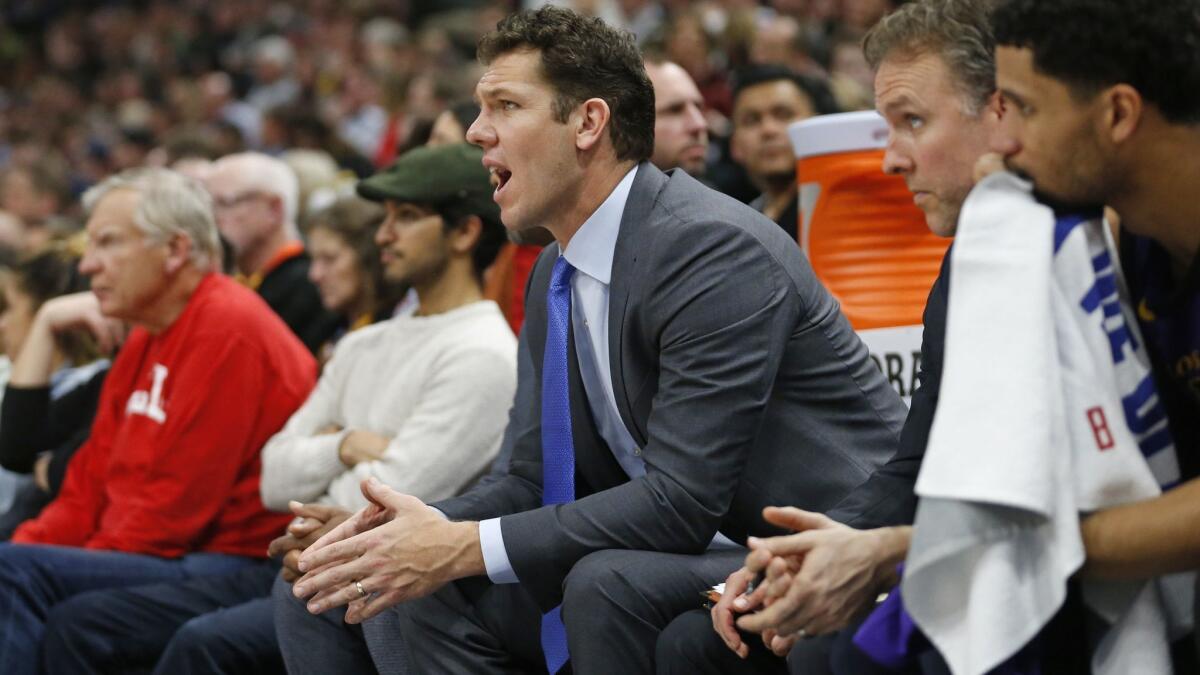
[
  {"x": 219, "y": 623},
  {"x": 34, "y": 578}
]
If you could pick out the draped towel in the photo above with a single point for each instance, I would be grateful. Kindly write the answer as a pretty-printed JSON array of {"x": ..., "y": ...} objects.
[{"x": 1047, "y": 412}]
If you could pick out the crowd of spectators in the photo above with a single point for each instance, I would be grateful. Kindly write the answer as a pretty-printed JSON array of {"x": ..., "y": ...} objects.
[
  {"x": 88, "y": 89},
  {"x": 259, "y": 305}
]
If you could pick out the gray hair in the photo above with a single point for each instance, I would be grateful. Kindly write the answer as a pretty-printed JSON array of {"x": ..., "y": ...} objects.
[
  {"x": 959, "y": 31},
  {"x": 267, "y": 174},
  {"x": 170, "y": 204}
]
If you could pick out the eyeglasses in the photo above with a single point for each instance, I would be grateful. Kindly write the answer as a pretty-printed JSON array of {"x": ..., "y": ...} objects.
[{"x": 226, "y": 203}]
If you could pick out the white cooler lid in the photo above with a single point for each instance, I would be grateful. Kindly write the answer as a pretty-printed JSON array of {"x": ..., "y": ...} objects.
[{"x": 840, "y": 132}]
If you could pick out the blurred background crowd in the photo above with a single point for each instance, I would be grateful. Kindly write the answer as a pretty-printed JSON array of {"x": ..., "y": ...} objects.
[{"x": 335, "y": 88}]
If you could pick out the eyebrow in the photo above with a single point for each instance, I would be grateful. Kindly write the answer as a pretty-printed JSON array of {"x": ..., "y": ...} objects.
[
  {"x": 901, "y": 101},
  {"x": 493, "y": 91},
  {"x": 1013, "y": 96}
]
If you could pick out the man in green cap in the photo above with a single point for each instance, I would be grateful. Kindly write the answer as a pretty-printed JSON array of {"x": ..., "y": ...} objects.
[{"x": 390, "y": 405}]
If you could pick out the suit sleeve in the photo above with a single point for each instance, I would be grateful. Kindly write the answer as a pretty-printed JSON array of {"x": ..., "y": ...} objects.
[
  {"x": 719, "y": 347},
  {"x": 888, "y": 497}
]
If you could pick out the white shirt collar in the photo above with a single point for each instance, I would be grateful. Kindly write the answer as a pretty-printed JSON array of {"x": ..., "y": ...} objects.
[{"x": 592, "y": 247}]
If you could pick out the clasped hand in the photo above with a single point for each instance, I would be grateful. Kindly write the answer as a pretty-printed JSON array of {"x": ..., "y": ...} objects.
[
  {"x": 312, "y": 522},
  {"x": 394, "y": 549},
  {"x": 815, "y": 581}
]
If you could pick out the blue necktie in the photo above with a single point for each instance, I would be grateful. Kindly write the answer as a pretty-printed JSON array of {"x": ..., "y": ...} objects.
[{"x": 558, "y": 450}]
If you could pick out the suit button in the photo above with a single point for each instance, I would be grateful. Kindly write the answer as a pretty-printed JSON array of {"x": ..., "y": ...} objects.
[{"x": 637, "y": 452}]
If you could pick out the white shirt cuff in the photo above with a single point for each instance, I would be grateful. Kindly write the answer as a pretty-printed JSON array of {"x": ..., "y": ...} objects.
[{"x": 495, "y": 557}]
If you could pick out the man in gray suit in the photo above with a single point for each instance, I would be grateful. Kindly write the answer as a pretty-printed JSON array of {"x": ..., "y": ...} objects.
[{"x": 688, "y": 371}]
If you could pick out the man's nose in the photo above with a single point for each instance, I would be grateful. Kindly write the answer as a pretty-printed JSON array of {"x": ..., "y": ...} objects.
[
  {"x": 695, "y": 120},
  {"x": 87, "y": 264},
  {"x": 479, "y": 133},
  {"x": 895, "y": 162}
]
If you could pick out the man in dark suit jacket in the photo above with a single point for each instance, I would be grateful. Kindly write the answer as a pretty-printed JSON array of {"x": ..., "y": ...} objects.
[
  {"x": 709, "y": 375},
  {"x": 935, "y": 76}
]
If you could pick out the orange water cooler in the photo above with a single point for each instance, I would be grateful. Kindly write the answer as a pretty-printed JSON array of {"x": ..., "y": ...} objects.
[{"x": 865, "y": 239}]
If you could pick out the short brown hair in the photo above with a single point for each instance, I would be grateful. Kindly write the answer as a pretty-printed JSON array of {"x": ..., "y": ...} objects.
[
  {"x": 582, "y": 58},
  {"x": 354, "y": 221},
  {"x": 959, "y": 31}
]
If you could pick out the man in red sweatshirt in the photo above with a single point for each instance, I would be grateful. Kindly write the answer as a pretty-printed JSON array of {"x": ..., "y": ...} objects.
[{"x": 166, "y": 487}]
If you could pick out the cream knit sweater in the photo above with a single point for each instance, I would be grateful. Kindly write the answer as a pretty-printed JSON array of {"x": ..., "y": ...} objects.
[{"x": 439, "y": 386}]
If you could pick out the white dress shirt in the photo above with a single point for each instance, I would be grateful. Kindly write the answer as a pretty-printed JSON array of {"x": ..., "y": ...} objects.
[{"x": 590, "y": 252}]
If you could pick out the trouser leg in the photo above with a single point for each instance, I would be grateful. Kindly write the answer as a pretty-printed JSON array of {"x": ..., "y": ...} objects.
[
  {"x": 115, "y": 630},
  {"x": 471, "y": 625},
  {"x": 316, "y": 643},
  {"x": 616, "y": 603}
]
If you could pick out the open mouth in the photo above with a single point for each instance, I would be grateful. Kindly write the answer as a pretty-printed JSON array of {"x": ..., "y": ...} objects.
[{"x": 500, "y": 178}]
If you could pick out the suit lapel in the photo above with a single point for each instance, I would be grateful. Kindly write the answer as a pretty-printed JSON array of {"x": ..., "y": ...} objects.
[{"x": 633, "y": 235}]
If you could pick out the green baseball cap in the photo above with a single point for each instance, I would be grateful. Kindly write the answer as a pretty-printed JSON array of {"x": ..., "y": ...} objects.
[{"x": 450, "y": 178}]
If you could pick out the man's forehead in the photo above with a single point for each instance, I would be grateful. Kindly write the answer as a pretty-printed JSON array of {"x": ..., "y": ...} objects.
[
  {"x": 225, "y": 176},
  {"x": 1014, "y": 66},
  {"x": 515, "y": 71},
  {"x": 907, "y": 80},
  {"x": 672, "y": 84},
  {"x": 769, "y": 93},
  {"x": 111, "y": 216}
]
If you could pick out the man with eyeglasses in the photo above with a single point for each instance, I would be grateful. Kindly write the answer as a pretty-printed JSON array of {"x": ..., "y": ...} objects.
[{"x": 255, "y": 199}]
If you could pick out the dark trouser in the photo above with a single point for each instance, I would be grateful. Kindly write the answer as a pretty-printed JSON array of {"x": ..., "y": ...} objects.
[
  {"x": 213, "y": 624},
  {"x": 615, "y": 604},
  {"x": 317, "y": 644},
  {"x": 34, "y": 579}
]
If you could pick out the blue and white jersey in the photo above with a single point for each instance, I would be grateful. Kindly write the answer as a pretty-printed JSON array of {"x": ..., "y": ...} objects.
[{"x": 1048, "y": 411}]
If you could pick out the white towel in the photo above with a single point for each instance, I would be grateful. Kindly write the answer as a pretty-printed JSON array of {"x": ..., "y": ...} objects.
[{"x": 1047, "y": 412}]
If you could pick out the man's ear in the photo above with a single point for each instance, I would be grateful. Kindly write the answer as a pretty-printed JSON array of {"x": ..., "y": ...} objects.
[
  {"x": 993, "y": 111},
  {"x": 179, "y": 250},
  {"x": 277, "y": 210},
  {"x": 593, "y": 118},
  {"x": 464, "y": 237},
  {"x": 1121, "y": 112}
]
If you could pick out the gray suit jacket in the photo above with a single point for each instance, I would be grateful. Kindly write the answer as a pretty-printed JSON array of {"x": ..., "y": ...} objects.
[{"x": 733, "y": 369}]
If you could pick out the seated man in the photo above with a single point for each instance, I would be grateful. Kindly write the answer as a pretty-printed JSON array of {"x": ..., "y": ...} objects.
[
  {"x": 256, "y": 199},
  {"x": 390, "y": 404},
  {"x": 678, "y": 394},
  {"x": 166, "y": 486},
  {"x": 1122, "y": 112},
  {"x": 933, "y": 86}
]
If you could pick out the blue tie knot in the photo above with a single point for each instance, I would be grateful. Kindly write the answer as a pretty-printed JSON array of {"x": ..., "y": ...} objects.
[{"x": 561, "y": 275}]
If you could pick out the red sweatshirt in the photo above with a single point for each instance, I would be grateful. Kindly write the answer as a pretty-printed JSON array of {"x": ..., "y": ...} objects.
[{"x": 172, "y": 464}]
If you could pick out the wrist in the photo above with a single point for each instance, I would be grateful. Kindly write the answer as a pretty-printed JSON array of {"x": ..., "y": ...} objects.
[
  {"x": 345, "y": 450},
  {"x": 468, "y": 552},
  {"x": 891, "y": 548}
]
